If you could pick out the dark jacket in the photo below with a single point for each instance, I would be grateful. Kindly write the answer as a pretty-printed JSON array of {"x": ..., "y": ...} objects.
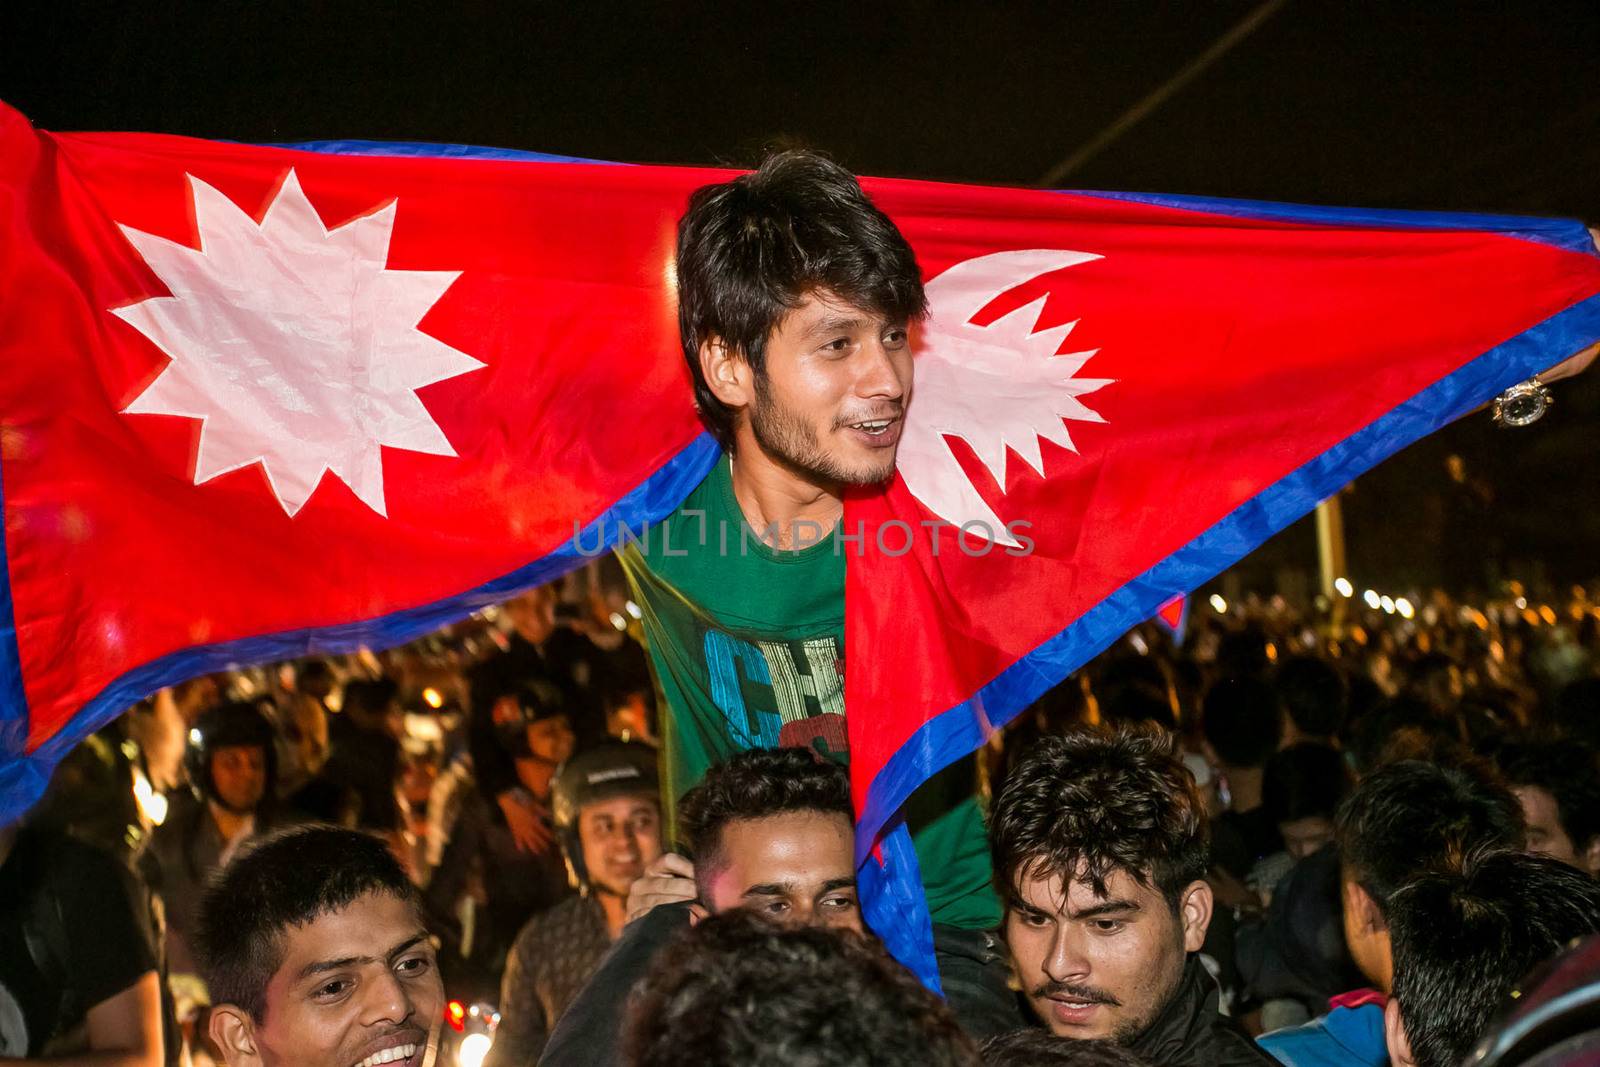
[
  {"x": 552, "y": 959},
  {"x": 589, "y": 1034},
  {"x": 1192, "y": 1032}
]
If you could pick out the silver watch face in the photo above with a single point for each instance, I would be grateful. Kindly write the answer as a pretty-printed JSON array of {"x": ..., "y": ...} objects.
[{"x": 1522, "y": 405}]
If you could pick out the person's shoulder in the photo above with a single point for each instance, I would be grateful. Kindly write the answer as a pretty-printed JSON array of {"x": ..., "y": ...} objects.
[
  {"x": 78, "y": 858},
  {"x": 1232, "y": 1047},
  {"x": 86, "y": 877},
  {"x": 1306, "y": 1045},
  {"x": 1345, "y": 1037},
  {"x": 543, "y": 923}
]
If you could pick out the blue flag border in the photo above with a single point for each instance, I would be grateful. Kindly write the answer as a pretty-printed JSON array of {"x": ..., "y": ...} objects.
[
  {"x": 964, "y": 728},
  {"x": 895, "y": 906}
]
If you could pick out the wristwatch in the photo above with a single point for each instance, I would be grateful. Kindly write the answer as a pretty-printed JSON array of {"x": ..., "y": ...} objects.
[{"x": 1523, "y": 404}]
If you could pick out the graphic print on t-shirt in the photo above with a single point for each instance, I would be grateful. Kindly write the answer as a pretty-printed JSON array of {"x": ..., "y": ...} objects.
[{"x": 774, "y": 692}]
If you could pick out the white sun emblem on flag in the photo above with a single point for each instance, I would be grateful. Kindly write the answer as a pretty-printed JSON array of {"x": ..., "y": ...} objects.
[
  {"x": 1000, "y": 387},
  {"x": 294, "y": 345}
]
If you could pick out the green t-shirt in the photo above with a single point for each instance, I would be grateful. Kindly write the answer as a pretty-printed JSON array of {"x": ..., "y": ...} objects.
[{"x": 747, "y": 642}]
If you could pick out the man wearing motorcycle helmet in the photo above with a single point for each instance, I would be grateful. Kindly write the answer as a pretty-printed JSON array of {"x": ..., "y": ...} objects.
[
  {"x": 606, "y": 804},
  {"x": 233, "y": 764}
]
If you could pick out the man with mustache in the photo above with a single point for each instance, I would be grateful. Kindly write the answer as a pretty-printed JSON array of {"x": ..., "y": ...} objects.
[
  {"x": 314, "y": 950},
  {"x": 1100, "y": 845}
]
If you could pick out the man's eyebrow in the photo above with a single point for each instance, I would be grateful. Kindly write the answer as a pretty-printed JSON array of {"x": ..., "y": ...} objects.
[
  {"x": 835, "y": 323},
  {"x": 1110, "y": 907},
  {"x": 768, "y": 889},
  {"x": 408, "y": 944},
  {"x": 831, "y": 884},
  {"x": 324, "y": 966}
]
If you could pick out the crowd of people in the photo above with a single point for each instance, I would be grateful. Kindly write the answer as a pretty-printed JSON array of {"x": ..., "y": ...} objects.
[
  {"x": 1272, "y": 839},
  {"x": 610, "y": 822}
]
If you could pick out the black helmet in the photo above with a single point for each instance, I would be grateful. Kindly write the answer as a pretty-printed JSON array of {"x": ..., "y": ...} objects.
[
  {"x": 611, "y": 769},
  {"x": 238, "y": 724},
  {"x": 537, "y": 699},
  {"x": 1553, "y": 1019}
]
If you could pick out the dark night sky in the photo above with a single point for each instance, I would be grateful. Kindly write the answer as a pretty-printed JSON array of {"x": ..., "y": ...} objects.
[{"x": 1459, "y": 106}]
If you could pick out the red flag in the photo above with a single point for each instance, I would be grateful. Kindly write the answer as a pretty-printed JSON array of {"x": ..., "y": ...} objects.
[
  {"x": 1132, "y": 396},
  {"x": 260, "y": 402},
  {"x": 1174, "y": 616}
]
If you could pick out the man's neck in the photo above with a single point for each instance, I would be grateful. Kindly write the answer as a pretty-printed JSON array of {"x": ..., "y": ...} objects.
[
  {"x": 615, "y": 910},
  {"x": 535, "y": 776},
  {"x": 800, "y": 510},
  {"x": 229, "y": 823},
  {"x": 1244, "y": 788}
]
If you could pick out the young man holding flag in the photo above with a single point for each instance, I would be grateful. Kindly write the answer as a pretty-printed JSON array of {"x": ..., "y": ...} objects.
[
  {"x": 165, "y": 439},
  {"x": 797, "y": 297}
]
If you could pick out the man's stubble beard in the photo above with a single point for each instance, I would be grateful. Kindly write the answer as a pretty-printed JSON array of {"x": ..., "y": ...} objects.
[
  {"x": 791, "y": 441},
  {"x": 1129, "y": 1032}
]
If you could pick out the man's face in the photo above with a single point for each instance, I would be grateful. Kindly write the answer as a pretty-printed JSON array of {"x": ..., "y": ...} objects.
[
  {"x": 355, "y": 986},
  {"x": 239, "y": 773},
  {"x": 551, "y": 740},
  {"x": 1101, "y": 966},
  {"x": 1302, "y": 837},
  {"x": 1546, "y": 835},
  {"x": 533, "y": 614},
  {"x": 619, "y": 837},
  {"x": 798, "y": 867},
  {"x": 830, "y": 402}
]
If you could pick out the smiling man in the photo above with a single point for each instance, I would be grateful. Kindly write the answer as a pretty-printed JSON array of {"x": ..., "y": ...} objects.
[
  {"x": 796, "y": 302},
  {"x": 313, "y": 948},
  {"x": 1100, "y": 845}
]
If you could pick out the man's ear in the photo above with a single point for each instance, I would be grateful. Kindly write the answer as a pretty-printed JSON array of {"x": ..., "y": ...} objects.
[
  {"x": 1368, "y": 916},
  {"x": 1591, "y": 857},
  {"x": 1394, "y": 1035},
  {"x": 697, "y": 912},
  {"x": 726, "y": 372},
  {"x": 233, "y": 1031},
  {"x": 1194, "y": 912}
]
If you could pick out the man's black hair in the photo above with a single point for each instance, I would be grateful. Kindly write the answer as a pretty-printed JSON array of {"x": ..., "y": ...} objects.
[
  {"x": 1035, "y": 1047},
  {"x": 1093, "y": 802},
  {"x": 1463, "y": 941},
  {"x": 756, "y": 784},
  {"x": 1137, "y": 702},
  {"x": 1570, "y": 772},
  {"x": 1402, "y": 727},
  {"x": 1304, "y": 781},
  {"x": 1576, "y": 710},
  {"x": 1412, "y": 818},
  {"x": 739, "y": 990},
  {"x": 372, "y": 696},
  {"x": 1241, "y": 719},
  {"x": 751, "y": 249},
  {"x": 1313, "y": 695},
  {"x": 288, "y": 879}
]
